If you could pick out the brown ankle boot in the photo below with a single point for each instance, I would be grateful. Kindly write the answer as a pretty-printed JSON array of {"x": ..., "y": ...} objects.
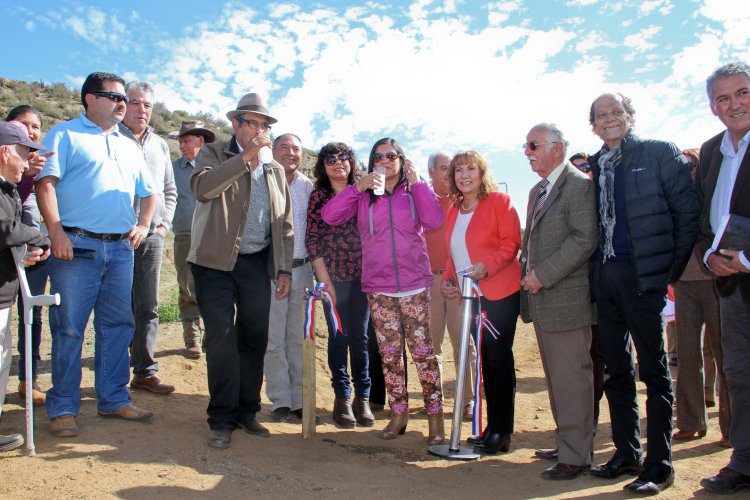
[
  {"x": 362, "y": 412},
  {"x": 37, "y": 396},
  {"x": 396, "y": 427},
  {"x": 342, "y": 413},
  {"x": 436, "y": 429}
]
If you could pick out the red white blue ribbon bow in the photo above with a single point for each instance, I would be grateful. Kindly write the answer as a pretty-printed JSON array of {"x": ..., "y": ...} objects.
[{"x": 329, "y": 308}]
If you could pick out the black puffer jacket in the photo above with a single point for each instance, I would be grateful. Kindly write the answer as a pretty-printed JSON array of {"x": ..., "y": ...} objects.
[
  {"x": 13, "y": 233},
  {"x": 662, "y": 208}
]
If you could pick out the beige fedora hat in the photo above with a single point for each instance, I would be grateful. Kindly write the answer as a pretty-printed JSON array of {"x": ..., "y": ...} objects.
[
  {"x": 196, "y": 127},
  {"x": 252, "y": 103}
]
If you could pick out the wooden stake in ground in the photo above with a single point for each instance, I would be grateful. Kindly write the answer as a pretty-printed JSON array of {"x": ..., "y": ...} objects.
[{"x": 308, "y": 383}]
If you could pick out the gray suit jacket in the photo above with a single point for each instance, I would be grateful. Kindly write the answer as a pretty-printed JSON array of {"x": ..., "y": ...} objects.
[{"x": 558, "y": 248}]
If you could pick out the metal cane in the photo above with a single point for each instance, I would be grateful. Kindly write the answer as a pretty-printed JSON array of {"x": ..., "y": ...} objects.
[
  {"x": 29, "y": 302},
  {"x": 454, "y": 449}
]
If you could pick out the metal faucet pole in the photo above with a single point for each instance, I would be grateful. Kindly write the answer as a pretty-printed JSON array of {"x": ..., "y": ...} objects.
[{"x": 454, "y": 449}]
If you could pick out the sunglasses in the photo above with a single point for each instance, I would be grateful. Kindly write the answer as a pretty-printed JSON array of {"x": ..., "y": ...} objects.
[
  {"x": 533, "y": 145},
  {"x": 253, "y": 123},
  {"x": 584, "y": 167},
  {"x": 333, "y": 159},
  {"x": 390, "y": 156},
  {"x": 112, "y": 96}
]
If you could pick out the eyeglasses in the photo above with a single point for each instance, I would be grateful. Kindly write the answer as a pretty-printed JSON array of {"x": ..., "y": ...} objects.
[
  {"x": 333, "y": 159},
  {"x": 533, "y": 145},
  {"x": 253, "y": 123},
  {"x": 390, "y": 156},
  {"x": 112, "y": 96},
  {"x": 584, "y": 167}
]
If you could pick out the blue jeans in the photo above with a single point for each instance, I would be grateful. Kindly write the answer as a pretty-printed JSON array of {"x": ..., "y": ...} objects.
[
  {"x": 36, "y": 276},
  {"x": 146, "y": 276},
  {"x": 101, "y": 282},
  {"x": 351, "y": 304}
]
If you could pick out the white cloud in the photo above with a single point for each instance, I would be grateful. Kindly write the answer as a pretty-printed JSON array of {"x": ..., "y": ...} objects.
[
  {"x": 641, "y": 41},
  {"x": 580, "y": 3},
  {"x": 29, "y": 25},
  {"x": 663, "y": 6}
]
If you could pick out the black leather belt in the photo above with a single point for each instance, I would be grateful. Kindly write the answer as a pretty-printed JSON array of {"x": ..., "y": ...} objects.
[
  {"x": 300, "y": 262},
  {"x": 98, "y": 236}
]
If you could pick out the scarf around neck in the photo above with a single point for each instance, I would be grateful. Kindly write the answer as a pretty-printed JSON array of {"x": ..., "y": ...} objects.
[{"x": 608, "y": 161}]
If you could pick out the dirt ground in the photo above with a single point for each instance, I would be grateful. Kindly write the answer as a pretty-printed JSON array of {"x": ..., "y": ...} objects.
[{"x": 170, "y": 458}]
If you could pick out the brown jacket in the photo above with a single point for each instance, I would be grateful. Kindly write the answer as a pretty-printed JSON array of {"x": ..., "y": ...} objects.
[
  {"x": 221, "y": 185},
  {"x": 558, "y": 248}
]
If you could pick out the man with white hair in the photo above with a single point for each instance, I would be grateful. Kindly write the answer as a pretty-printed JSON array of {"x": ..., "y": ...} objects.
[{"x": 148, "y": 255}]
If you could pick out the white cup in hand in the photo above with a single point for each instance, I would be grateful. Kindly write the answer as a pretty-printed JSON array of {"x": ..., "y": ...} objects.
[{"x": 379, "y": 190}]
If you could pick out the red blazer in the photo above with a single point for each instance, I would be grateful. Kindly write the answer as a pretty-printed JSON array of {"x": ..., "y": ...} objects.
[{"x": 493, "y": 238}]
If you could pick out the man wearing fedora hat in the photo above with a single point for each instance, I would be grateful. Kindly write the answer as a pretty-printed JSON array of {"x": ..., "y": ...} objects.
[
  {"x": 192, "y": 136},
  {"x": 242, "y": 233}
]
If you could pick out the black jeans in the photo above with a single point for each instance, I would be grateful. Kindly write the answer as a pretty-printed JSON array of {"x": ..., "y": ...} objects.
[
  {"x": 235, "y": 339},
  {"x": 498, "y": 366},
  {"x": 624, "y": 314}
]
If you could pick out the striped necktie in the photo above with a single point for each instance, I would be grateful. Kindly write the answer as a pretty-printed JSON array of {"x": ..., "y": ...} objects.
[{"x": 541, "y": 197}]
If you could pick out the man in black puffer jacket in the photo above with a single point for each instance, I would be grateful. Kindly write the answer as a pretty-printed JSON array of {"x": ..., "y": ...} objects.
[
  {"x": 648, "y": 223},
  {"x": 15, "y": 146}
]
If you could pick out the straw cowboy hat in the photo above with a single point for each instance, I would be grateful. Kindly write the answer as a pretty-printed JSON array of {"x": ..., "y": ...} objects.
[
  {"x": 196, "y": 127},
  {"x": 252, "y": 103}
]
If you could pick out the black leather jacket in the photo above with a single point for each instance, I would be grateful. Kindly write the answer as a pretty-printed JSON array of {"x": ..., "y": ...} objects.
[{"x": 662, "y": 208}]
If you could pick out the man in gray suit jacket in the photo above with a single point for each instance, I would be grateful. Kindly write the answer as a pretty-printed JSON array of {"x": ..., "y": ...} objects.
[{"x": 560, "y": 236}]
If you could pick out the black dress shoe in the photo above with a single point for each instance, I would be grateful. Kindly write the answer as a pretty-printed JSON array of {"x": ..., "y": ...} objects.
[
  {"x": 726, "y": 481},
  {"x": 478, "y": 440},
  {"x": 220, "y": 438},
  {"x": 252, "y": 426},
  {"x": 651, "y": 481},
  {"x": 547, "y": 453},
  {"x": 616, "y": 467},
  {"x": 10, "y": 441},
  {"x": 494, "y": 443},
  {"x": 297, "y": 413},
  {"x": 282, "y": 414},
  {"x": 559, "y": 472}
]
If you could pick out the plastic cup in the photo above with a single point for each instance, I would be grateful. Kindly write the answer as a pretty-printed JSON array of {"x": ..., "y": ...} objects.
[{"x": 381, "y": 173}]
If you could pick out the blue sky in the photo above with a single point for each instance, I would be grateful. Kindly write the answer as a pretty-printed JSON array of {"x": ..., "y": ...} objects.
[{"x": 436, "y": 75}]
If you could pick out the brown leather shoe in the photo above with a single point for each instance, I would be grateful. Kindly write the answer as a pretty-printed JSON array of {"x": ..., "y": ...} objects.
[
  {"x": 688, "y": 435},
  {"x": 561, "y": 472},
  {"x": 63, "y": 426},
  {"x": 436, "y": 428},
  {"x": 547, "y": 453},
  {"x": 362, "y": 412},
  {"x": 396, "y": 427},
  {"x": 152, "y": 383},
  {"x": 193, "y": 351},
  {"x": 342, "y": 414},
  {"x": 129, "y": 412},
  {"x": 37, "y": 395}
]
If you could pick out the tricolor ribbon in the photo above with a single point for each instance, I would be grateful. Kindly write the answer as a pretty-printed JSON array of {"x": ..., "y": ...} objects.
[{"x": 329, "y": 308}]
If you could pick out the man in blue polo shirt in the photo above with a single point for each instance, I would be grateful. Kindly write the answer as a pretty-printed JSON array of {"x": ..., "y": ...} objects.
[{"x": 86, "y": 197}]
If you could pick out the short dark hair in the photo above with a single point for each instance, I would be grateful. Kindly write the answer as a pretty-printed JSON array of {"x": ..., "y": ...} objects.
[
  {"x": 22, "y": 110},
  {"x": 273, "y": 146},
  {"x": 319, "y": 170},
  {"x": 627, "y": 103},
  {"x": 94, "y": 83},
  {"x": 578, "y": 156}
]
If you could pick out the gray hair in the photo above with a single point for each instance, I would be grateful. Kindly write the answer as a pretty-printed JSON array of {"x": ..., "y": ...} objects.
[
  {"x": 733, "y": 68},
  {"x": 433, "y": 158},
  {"x": 144, "y": 87},
  {"x": 554, "y": 134}
]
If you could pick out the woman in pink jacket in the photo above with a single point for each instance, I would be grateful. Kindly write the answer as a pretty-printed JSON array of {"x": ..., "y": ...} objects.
[{"x": 396, "y": 275}]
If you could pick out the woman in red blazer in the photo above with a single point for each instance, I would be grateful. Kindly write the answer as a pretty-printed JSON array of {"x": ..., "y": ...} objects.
[{"x": 483, "y": 235}]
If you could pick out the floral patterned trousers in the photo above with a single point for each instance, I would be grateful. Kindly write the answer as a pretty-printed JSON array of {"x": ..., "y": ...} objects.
[{"x": 396, "y": 318}]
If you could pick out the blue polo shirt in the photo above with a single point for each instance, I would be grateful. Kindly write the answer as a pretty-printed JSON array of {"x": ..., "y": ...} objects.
[{"x": 98, "y": 176}]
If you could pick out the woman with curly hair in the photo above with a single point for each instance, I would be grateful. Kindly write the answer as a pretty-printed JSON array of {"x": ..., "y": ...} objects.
[
  {"x": 396, "y": 275},
  {"x": 483, "y": 235},
  {"x": 336, "y": 255}
]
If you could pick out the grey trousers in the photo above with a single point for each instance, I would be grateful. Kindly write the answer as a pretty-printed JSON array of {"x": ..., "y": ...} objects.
[
  {"x": 146, "y": 274},
  {"x": 696, "y": 304},
  {"x": 189, "y": 313},
  {"x": 570, "y": 383},
  {"x": 282, "y": 364},
  {"x": 735, "y": 344}
]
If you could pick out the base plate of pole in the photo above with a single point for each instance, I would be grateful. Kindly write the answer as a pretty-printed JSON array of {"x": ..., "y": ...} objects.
[{"x": 444, "y": 450}]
